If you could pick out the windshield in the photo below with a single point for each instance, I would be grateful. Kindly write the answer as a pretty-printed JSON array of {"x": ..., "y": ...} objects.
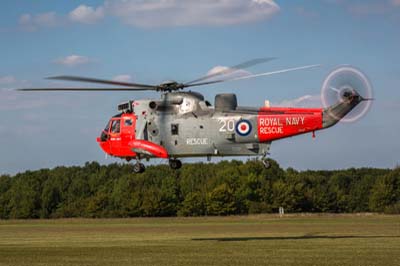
[
  {"x": 107, "y": 128},
  {"x": 115, "y": 126}
]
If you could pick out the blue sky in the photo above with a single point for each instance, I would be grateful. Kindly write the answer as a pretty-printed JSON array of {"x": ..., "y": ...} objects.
[{"x": 152, "y": 41}]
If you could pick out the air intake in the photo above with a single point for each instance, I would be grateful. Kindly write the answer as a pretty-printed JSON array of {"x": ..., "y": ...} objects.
[
  {"x": 126, "y": 107},
  {"x": 225, "y": 102}
]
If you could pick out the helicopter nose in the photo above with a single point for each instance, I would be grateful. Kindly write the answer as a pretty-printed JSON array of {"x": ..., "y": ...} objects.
[{"x": 103, "y": 143}]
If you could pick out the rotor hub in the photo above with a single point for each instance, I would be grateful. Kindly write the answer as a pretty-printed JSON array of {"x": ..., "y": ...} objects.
[{"x": 170, "y": 85}]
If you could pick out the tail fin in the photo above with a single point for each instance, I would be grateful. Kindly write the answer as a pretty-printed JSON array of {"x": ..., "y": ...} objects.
[
  {"x": 349, "y": 100},
  {"x": 342, "y": 91}
]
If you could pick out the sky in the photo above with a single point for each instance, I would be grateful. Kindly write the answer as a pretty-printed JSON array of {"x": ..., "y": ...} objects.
[{"x": 156, "y": 40}]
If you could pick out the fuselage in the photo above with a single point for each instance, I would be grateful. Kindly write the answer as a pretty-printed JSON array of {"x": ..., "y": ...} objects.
[{"x": 185, "y": 125}]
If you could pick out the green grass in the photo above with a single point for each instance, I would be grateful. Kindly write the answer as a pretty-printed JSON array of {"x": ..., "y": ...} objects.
[{"x": 253, "y": 240}]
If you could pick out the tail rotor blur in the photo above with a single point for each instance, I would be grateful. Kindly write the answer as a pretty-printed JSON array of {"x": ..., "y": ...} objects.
[{"x": 346, "y": 84}]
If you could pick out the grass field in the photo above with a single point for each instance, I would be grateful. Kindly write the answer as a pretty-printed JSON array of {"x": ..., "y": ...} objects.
[{"x": 252, "y": 240}]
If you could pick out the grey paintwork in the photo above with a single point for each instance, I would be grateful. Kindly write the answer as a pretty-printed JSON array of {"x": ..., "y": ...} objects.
[
  {"x": 336, "y": 112},
  {"x": 202, "y": 129}
]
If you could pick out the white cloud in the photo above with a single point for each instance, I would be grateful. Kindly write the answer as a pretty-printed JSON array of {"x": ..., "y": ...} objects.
[
  {"x": 86, "y": 14},
  {"x": 227, "y": 72},
  {"x": 166, "y": 13},
  {"x": 160, "y": 13},
  {"x": 73, "y": 60},
  {"x": 33, "y": 22},
  {"x": 6, "y": 80},
  {"x": 303, "y": 101},
  {"x": 123, "y": 78},
  {"x": 25, "y": 19}
]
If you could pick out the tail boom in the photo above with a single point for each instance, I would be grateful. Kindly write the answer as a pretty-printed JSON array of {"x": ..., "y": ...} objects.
[{"x": 279, "y": 122}]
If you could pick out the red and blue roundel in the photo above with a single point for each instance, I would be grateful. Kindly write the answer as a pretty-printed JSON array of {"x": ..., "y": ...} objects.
[{"x": 243, "y": 127}]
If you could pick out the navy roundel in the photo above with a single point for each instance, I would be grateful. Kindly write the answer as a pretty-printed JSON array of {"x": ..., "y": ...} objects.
[{"x": 243, "y": 127}]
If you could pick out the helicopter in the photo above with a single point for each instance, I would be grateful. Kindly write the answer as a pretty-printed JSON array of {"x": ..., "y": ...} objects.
[{"x": 184, "y": 124}]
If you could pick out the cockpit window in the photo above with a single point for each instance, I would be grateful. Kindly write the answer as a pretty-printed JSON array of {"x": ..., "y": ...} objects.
[
  {"x": 115, "y": 126},
  {"x": 128, "y": 122},
  {"x": 107, "y": 128}
]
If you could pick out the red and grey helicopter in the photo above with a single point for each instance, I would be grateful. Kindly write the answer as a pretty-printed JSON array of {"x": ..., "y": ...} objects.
[{"x": 183, "y": 124}]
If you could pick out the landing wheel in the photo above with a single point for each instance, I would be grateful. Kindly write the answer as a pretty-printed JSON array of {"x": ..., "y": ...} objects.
[
  {"x": 266, "y": 163},
  {"x": 175, "y": 164},
  {"x": 139, "y": 168}
]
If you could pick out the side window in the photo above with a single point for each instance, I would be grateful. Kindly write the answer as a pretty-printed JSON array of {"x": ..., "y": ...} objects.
[
  {"x": 128, "y": 122},
  {"x": 174, "y": 129},
  {"x": 115, "y": 126}
]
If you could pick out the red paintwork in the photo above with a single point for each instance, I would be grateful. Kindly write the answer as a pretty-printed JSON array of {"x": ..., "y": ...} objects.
[
  {"x": 150, "y": 147},
  {"x": 122, "y": 143},
  {"x": 117, "y": 143},
  {"x": 281, "y": 122}
]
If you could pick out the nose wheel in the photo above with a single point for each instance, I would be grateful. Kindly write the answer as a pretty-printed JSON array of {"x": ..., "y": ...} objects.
[
  {"x": 175, "y": 164},
  {"x": 138, "y": 168}
]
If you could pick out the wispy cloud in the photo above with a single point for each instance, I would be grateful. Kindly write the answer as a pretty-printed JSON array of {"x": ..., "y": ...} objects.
[
  {"x": 123, "y": 78},
  {"x": 302, "y": 101},
  {"x": 31, "y": 22},
  {"x": 86, "y": 14},
  {"x": 73, "y": 60},
  {"x": 227, "y": 72},
  {"x": 159, "y": 13},
  {"x": 6, "y": 80},
  {"x": 167, "y": 13},
  {"x": 11, "y": 100}
]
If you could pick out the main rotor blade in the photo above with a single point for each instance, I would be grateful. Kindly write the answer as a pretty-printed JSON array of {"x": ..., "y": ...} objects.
[
  {"x": 233, "y": 69},
  {"x": 101, "y": 81},
  {"x": 253, "y": 75},
  {"x": 86, "y": 89}
]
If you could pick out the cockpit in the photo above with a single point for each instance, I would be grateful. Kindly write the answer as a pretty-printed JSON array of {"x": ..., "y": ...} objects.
[{"x": 117, "y": 124}]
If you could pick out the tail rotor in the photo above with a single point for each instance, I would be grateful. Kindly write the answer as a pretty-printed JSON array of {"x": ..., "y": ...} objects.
[{"x": 347, "y": 84}]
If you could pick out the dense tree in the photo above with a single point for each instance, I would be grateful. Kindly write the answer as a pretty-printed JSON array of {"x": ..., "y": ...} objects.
[
  {"x": 385, "y": 193},
  {"x": 224, "y": 188},
  {"x": 5, "y": 185},
  {"x": 221, "y": 201},
  {"x": 194, "y": 204}
]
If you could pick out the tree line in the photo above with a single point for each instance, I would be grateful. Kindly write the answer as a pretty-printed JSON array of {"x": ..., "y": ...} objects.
[{"x": 224, "y": 188}]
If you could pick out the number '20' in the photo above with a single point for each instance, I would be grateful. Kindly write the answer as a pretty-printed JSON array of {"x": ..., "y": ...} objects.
[{"x": 227, "y": 125}]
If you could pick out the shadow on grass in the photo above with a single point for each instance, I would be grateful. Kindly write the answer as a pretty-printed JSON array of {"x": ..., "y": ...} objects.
[{"x": 289, "y": 238}]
